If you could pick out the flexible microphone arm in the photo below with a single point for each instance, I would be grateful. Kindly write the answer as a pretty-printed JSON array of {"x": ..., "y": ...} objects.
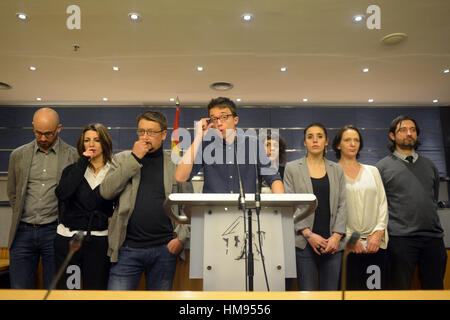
[{"x": 74, "y": 245}]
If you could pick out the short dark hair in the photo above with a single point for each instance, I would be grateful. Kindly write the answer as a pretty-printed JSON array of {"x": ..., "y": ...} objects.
[
  {"x": 223, "y": 102},
  {"x": 103, "y": 135},
  {"x": 393, "y": 128},
  {"x": 338, "y": 137},
  {"x": 156, "y": 116}
]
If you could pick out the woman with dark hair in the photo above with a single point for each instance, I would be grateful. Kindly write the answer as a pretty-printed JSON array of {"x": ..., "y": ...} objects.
[
  {"x": 275, "y": 147},
  {"x": 81, "y": 208},
  {"x": 318, "y": 238},
  {"x": 367, "y": 212}
]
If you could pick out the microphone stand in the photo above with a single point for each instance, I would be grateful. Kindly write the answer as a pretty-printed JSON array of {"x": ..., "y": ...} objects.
[
  {"x": 258, "y": 211},
  {"x": 241, "y": 205},
  {"x": 349, "y": 246},
  {"x": 74, "y": 245}
]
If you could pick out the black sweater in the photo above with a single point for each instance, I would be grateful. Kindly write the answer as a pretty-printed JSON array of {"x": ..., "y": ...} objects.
[{"x": 80, "y": 207}]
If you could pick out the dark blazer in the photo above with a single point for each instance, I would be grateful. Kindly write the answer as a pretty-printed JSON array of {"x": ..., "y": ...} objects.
[
  {"x": 19, "y": 172},
  {"x": 298, "y": 180}
]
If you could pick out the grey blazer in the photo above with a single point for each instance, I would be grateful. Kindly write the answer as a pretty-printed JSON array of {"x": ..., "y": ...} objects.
[
  {"x": 18, "y": 174},
  {"x": 122, "y": 181},
  {"x": 298, "y": 180}
]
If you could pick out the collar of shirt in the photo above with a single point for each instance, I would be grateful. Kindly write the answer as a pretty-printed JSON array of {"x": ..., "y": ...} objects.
[
  {"x": 54, "y": 148},
  {"x": 95, "y": 180},
  {"x": 403, "y": 157}
]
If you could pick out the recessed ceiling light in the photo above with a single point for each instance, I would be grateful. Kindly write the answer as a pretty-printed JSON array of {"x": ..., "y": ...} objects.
[
  {"x": 32, "y": 68},
  {"x": 283, "y": 69},
  {"x": 305, "y": 100},
  {"x": 365, "y": 70},
  {"x": 435, "y": 101},
  {"x": 370, "y": 100},
  {"x": 247, "y": 17},
  {"x": 199, "y": 68},
  {"x": 446, "y": 71},
  {"x": 115, "y": 68},
  {"x": 134, "y": 16},
  {"x": 105, "y": 99},
  {"x": 172, "y": 99},
  {"x": 22, "y": 16},
  {"x": 38, "y": 99},
  {"x": 358, "y": 18},
  {"x": 238, "y": 99}
]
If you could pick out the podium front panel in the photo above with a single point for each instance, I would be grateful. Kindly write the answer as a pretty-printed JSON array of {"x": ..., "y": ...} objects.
[{"x": 224, "y": 263}]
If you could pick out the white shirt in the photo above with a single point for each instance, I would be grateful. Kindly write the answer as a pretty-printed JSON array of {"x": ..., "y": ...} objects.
[
  {"x": 366, "y": 204},
  {"x": 94, "y": 181}
]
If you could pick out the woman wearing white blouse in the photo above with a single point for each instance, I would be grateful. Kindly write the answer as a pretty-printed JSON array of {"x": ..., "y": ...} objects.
[{"x": 367, "y": 213}]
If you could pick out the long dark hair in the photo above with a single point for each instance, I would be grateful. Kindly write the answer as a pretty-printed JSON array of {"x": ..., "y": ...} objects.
[
  {"x": 105, "y": 140},
  {"x": 393, "y": 128},
  {"x": 321, "y": 126}
]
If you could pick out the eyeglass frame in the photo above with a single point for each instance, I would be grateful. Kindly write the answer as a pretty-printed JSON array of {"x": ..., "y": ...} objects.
[
  {"x": 48, "y": 135},
  {"x": 222, "y": 118},
  {"x": 150, "y": 133}
]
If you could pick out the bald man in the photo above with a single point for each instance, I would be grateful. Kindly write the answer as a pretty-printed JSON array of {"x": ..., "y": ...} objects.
[{"x": 34, "y": 171}]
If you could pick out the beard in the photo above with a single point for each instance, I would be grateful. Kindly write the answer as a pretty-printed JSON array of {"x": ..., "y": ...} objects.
[{"x": 407, "y": 143}]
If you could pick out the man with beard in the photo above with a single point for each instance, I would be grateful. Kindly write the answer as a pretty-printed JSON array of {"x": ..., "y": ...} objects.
[
  {"x": 412, "y": 188},
  {"x": 34, "y": 172}
]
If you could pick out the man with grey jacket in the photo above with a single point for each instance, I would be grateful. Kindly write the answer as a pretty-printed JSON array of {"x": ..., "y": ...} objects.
[
  {"x": 142, "y": 239},
  {"x": 33, "y": 174}
]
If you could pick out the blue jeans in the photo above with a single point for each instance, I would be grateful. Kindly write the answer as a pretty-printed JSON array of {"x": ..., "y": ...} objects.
[
  {"x": 29, "y": 245},
  {"x": 316, "y": 272},
  {"x": 158, "y": 264}
]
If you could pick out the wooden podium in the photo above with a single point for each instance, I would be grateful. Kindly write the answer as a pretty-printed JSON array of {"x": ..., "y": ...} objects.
[{"x": 217, "y": 243}]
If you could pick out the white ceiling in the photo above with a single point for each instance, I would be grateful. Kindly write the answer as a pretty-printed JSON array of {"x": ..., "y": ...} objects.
[{"x": 323, "y": 50}]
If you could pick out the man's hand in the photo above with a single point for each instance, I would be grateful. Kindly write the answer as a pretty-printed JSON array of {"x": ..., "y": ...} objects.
[
  {"x": 175, "y": 246},
  {"x": 140, "y": 149}
]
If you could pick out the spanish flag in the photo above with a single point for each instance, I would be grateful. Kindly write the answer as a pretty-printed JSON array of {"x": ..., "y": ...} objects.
[{"x": 175, "y": 137}]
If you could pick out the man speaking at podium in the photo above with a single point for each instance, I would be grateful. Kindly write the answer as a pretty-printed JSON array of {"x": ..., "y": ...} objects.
[{"x": 217, "y": 158}]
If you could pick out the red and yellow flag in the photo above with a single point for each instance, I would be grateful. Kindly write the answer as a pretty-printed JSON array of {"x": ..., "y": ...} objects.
[{"x": 175, "y": 136}]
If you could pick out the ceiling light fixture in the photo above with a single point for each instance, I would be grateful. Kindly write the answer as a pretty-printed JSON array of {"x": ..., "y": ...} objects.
[
  {"x": 283, "y": 69},
  {"x": 32, "y": 68},
  {"x": 358, "y": 18},
  {"x": 134, "y": 16},
  {"x": 39, "y": 99},
  {"x": 305, "y": 100},
  {"x": 221, "y": 86},
  {"x": 238, "y": 99},
  {"x": 446, "y": 71},
  {"x": 247, "y": 17},
  {"x": 22, "y": 16},
  {"x": 365, "y": 70},
  {"x": 115, "y": 68},
  {"x": 435, "y": 101},
  {"x": 172, "y": 99},
  {"x": 199, "y": 68},
  {"x": 370, "y": 100},
  {"x": 105, "y": 99}
]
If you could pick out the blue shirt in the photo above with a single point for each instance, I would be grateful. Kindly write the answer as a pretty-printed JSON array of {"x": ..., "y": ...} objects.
[{"x": 217, "y": 160}]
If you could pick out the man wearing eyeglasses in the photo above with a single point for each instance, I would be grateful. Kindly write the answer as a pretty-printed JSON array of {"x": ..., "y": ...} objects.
[
  {"x": 142, "y": 239},
  {"x": 219, "y": 170},
  {"x": 34, "y": 171},
  {"x": 411, "y": 182}
]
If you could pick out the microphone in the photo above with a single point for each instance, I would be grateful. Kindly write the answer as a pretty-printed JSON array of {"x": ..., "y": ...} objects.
[
  {"x": 349, "y": 246},
  {"x": 74, "y": 245}
]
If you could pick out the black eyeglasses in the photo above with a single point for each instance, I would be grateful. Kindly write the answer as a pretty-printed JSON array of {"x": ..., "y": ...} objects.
[
  {"x": 222, "y": 118},
  {"x": 48, "y": 134},
  {"x": 150, "y": 133}
]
